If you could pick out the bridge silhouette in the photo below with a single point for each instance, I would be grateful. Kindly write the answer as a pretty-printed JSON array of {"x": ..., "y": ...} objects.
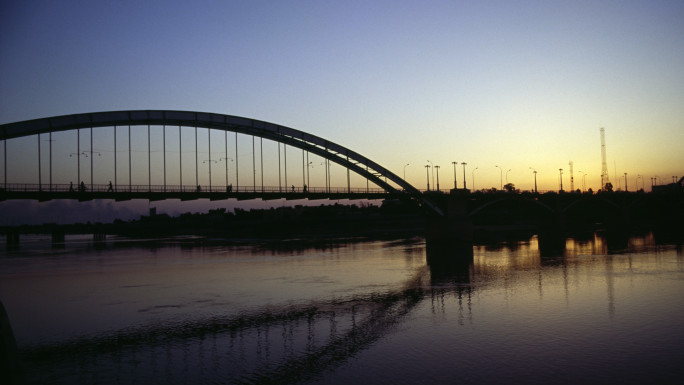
[
  {"x": 454, "y": 214},
  {"x": 388, "y": 184}
]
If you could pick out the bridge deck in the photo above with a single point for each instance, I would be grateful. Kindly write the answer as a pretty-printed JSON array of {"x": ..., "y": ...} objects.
[{"x": 159, "y": 192}]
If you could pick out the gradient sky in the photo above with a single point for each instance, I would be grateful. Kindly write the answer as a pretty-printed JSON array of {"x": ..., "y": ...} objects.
[{"x": 517, "y": 84}]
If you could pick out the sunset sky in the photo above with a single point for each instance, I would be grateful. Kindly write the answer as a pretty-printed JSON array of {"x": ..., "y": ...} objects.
[{"x": 517, "y": 84}]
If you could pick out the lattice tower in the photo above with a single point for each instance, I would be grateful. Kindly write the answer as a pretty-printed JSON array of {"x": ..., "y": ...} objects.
[
  {"x": 572, "y": 178},
  {"x": 604, "y": 164}
]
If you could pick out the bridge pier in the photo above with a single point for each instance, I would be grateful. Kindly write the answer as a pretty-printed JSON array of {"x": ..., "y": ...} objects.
[
  {"x": 449, "y": 239},
  {"x": 551, "y": 235}
]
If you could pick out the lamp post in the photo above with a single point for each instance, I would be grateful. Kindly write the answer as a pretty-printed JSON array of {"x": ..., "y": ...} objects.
[
  {"x": 427, "y": 174},
  {"x": 642, "y": 182},
  {"x": 455, "y": 184},
  {"x": 437, "y": 167},
  {"x": 432, "y": 171},
  {"x": 500, "y": 177},
  {"x": 535, "y": 179},
  {"x": 464, "y": 178},
  {"x": 405, "y": 170},
  {"x": 473, "y": 178},
  {"x": 626, "y": 190},
  {"x": 584, "y": 175},
  {"x": 507, "y": 175},
  {"x": 561, "y": 179}
]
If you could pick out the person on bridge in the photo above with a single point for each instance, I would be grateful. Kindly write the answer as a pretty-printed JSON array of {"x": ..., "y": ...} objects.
[
  {"x": 304, "y": 190},
  {"x": 110, "y": 188},
  {"x": 71, "y": 186},
  {"x": 293, "y": 188},
  {"x": 199, "y": 188},
  {"x": 82, "y": 187},
  {"x": 229, "y": 188}
]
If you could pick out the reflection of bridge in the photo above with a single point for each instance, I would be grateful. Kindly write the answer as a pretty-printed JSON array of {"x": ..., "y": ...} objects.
[
  {"x": 174, "y": 127},
  {"x": 289, "y": 344}
]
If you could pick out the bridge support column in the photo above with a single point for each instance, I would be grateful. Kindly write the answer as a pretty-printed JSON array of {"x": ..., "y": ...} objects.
[
  {"x": 551, "y": 235},
  {"x": 617, "y": 231},
  {"x": 450, "y": 239}
]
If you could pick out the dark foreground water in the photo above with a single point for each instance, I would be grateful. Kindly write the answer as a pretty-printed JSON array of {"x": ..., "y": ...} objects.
[{"x": 179, "y": 312}]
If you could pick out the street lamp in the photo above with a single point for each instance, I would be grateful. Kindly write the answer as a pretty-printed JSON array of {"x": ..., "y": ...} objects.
[
  {"x": 432, "y": 172},
  {"x": 464, "y": 179},
  {"x": 626, "y": 190},
  {"x": 584, "y": 177},
  {"x": 535, "y": 179},
  {"x": 507, "y": 175},
  {"x": 405, "y": 170},
  {"x": 561, "y": 179},
  {"x": 642, "y": 182},
  {"x": 500, "y": 177},
  {"x": 473, "y": 178},
  {"x": 427, "y": 174},
  {"x": 455, "y": 184},
  {"x": 437, "y": 167}
]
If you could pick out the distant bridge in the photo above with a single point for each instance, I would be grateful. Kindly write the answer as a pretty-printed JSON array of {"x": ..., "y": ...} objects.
[{"x": 389, "y": 184}]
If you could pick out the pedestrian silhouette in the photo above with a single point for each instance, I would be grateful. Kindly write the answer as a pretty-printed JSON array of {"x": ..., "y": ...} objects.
[
  {"x": 110, "y": 188},
  {"x": 229, "y": 188},
  {"x": 304, "y": 190},
  {"x": 82, "y": 188},
  {"x": 293, "y": 188},
  {"x": 71, "y": 186},
  {"x": 199, "y": 188}
]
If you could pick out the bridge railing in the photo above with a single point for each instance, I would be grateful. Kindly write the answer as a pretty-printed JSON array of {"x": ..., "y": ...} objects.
[{"x": 107, "y": 188}]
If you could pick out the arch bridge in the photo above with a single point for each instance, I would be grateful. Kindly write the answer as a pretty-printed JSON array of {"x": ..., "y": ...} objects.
[{"x": 389, "y": 185}]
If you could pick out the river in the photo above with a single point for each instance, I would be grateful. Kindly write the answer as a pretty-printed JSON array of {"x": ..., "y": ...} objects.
[{"x": 195, "y": 311}]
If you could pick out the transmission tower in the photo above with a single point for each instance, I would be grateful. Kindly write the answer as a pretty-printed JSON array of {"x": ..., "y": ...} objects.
[
  {"x": 604, "y": 166},
  {"x": 572, "y": 178}
]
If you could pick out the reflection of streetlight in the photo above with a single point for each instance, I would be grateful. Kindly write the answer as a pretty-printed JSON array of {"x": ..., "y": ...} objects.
[
  {"x": 473, "y": 178},
  {"x": 405, "y": 170},
  {"x": 464, "y": 179},
  {"x": 437, "y": 167},
  {"x": 500, "y": 177},
  {"x": 561, "y": 179},
  {"x": 427, "y": 174},
  {"x": 433, "y": 173},
  {"x": 535, "y": 179},
  {"x": 455, "y": 185}
]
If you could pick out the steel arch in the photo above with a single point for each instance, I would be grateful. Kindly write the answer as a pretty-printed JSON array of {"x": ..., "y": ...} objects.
[{"x": 290, "y": 136}]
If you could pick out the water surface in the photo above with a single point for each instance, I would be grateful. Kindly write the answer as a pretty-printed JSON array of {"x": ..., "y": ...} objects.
[{"x": 201, "y": 311}]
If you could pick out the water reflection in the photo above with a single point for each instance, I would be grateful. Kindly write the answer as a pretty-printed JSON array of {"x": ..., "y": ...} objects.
[{"x": 313, "y": 335}]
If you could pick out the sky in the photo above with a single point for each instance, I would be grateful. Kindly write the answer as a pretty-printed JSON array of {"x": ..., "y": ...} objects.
[{"x": 521, "y": 85}]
